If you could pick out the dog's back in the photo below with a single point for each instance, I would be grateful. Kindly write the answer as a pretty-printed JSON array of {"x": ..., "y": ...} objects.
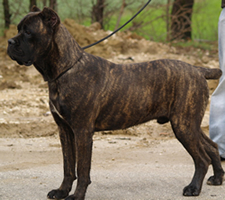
[{"x": 140, "y": 92}]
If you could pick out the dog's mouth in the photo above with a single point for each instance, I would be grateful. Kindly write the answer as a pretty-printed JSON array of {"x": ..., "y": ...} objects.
[
  {"x": 18, "y": 58},
  {"x": 26, "y": 63}
]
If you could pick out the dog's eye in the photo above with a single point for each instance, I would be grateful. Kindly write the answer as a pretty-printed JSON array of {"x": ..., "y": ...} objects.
[{"x": 27, "y": 32}]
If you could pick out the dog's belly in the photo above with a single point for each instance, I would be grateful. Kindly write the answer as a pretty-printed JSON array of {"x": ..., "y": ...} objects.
[
  {"x": 124, "y": 117},
  {"x": 115, "y": 125}
]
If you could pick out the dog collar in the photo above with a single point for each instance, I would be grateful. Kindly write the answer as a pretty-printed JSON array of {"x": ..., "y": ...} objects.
[{"x": 66, "y": 70}]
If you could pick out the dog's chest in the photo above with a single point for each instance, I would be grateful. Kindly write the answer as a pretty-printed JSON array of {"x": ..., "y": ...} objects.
[{"x": 55, "y": 101}]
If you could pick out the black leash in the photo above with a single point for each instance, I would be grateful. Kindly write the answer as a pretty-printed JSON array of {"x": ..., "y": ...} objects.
[{"x": 90, "y": 45}]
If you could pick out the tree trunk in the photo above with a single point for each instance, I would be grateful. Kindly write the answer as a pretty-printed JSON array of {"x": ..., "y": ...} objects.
[
  {"x": 32, "y": 3},
  {"x": 7, "y": 15},
  {"x": 44, "y": 2},
  {"x": 53, "y": 4},
  {"x": 181, "y": 19},
  {"x": 97, "y": 12}
]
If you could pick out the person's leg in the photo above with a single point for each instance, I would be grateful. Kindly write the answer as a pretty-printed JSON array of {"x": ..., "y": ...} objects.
[{"x": 217, "y": 106}]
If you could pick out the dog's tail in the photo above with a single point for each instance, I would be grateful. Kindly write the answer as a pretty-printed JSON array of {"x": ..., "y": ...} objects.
[{"x": 210, "y": 73}]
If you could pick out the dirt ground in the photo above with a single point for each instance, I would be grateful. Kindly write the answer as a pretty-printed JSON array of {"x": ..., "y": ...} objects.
[{"x": 25, "y": 120}]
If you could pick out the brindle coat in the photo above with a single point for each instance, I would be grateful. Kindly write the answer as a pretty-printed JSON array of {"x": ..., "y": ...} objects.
[{"x": 88, "y": 94}]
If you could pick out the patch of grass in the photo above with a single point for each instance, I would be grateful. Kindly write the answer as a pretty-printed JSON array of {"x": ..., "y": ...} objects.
[
  {"x": 196, "y": 44},
  {"x": 204, "y": 19}
]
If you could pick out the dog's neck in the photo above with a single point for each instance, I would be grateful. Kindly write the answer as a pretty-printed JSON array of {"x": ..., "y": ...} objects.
[{"x": 61, "y": 56}]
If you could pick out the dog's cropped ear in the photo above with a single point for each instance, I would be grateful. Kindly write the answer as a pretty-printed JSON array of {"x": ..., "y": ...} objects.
[
  {"x": 50, "y": 17},
  {"x": 35, "y": 9}
]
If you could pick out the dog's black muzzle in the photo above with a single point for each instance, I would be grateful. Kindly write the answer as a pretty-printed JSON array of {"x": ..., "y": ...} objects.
[{"x": 16, "y": 53}]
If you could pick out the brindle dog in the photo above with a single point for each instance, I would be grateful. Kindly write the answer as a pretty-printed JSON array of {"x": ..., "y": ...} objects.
[{"x": 88, "y": 94}]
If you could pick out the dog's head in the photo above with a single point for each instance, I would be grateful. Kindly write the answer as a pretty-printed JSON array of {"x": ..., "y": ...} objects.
[{"x": 35, "y": 34}]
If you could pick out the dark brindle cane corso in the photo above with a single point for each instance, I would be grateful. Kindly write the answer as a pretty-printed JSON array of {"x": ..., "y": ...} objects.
[{"x": 88, "y": 94}]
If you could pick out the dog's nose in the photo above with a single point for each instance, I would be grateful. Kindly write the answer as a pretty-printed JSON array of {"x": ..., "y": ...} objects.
[{"x": 11, "y": 41}]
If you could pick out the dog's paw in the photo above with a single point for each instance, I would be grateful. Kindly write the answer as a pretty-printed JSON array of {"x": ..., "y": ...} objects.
[
  {"x": 57, "y": 194},
  {"x": 191, "y": 190},
  {"x": 215, "y": 181}
]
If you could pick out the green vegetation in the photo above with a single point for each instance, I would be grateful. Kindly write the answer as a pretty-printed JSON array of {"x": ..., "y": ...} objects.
[
  {"x": 205, "y": 20},
  {"x": 152, "y": 19}
]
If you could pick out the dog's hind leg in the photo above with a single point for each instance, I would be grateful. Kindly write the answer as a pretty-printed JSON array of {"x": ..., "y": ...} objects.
[
  {"x": 69, "y": 159},
  {"x": 188, "y": 133},
  {"x": 212, "y": 150}
]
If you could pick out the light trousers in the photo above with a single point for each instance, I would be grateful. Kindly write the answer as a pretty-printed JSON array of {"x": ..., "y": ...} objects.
[{"x": 217, "y": 106}]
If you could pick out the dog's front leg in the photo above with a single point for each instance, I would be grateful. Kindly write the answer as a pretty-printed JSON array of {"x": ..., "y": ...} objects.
[
  {"x": 84, "y": 152},
  {"x": 69, "y": 158}
]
